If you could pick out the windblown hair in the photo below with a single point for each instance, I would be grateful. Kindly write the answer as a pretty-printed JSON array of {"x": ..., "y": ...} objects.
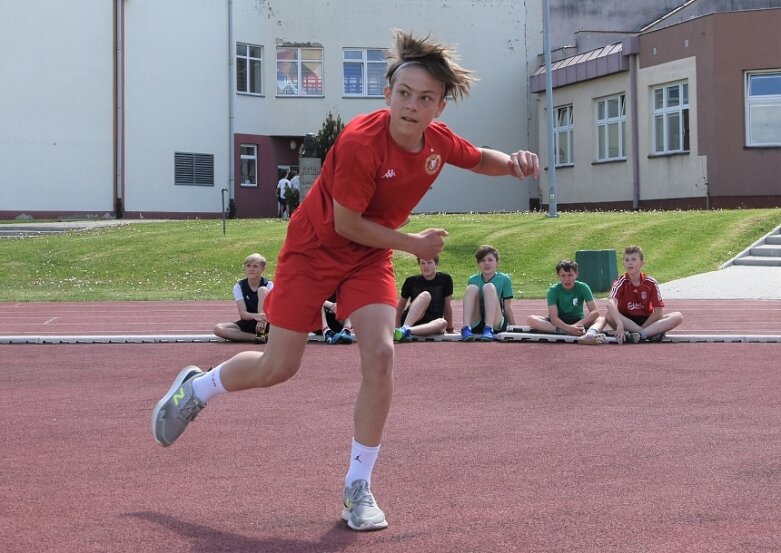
[
  {"x": 634, "y": 249},
  {"x": 567, "y": 265},
  {"x": 439, "y": 60},
  {"x": 254, "y": 258}
]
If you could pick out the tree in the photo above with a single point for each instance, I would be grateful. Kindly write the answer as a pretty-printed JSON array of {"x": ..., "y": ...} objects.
[{"x": 326, "y": 137}]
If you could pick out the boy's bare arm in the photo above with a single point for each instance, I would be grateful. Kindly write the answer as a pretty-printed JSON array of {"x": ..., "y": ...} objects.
[
  {"x": 508, "y": 312},
  {"x": 520, "y": 164},
  {"x": 449, "y": 314},
  {"x": 353, "y": 226}
]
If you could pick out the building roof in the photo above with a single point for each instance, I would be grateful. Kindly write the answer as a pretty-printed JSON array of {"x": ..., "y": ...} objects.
[{"x": 582, "y": 67}]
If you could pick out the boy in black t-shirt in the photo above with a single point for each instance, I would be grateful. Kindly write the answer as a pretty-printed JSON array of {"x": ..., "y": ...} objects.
[{"x": 424, "y": 306}]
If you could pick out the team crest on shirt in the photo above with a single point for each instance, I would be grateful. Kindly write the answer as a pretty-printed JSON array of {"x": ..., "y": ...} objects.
[{"x": 432, "y": 163}]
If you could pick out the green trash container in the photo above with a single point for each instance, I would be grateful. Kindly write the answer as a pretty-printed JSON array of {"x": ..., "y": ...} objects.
[{"x": 597, "y": 268}]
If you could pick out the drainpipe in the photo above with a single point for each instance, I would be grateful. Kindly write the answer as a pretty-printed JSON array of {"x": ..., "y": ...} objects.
[
  {"x": 630, "y": 48},
  {"x": 231, "y": 112},
  {"x": 119, "y": 112}
]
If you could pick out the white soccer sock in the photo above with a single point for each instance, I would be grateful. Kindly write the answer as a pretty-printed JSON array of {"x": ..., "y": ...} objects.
[
  {"x": 208, "y": 385},
  {"x": 362, "y": 459}
]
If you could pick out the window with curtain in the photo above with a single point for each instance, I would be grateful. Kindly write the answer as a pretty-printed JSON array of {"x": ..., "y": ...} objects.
[
  {"x": 249, "y": 165},
  {"x": 299, "y": 71},
  {"x": 364, "y": 72}
]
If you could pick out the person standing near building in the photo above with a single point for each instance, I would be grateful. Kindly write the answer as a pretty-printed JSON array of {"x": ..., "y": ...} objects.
[{"x": 342, "y": 238}]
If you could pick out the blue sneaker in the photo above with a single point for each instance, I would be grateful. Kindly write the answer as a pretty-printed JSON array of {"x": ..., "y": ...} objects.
[
  {"x": 466, "y": 334},
  {"x": 402, "y": 334},
  {"x": 488, "y": 335},
  {"x": 344, "y": 337}
]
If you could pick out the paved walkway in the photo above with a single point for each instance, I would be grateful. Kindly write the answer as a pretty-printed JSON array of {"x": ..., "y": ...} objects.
[{"x": 738, "y": 282}]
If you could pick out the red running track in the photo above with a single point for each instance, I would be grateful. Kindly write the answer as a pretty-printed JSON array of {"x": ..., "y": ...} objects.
[{"x": 489, "y": 447}]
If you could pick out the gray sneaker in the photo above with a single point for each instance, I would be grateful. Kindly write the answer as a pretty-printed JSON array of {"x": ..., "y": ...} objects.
[
  {"x": 177, "y": 409},
  {"x": 631, "y": 337},
  {"x": 360, "y": 509}
]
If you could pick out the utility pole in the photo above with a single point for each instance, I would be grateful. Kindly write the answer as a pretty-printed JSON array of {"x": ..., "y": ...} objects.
[{"x": 552, "y": 206}]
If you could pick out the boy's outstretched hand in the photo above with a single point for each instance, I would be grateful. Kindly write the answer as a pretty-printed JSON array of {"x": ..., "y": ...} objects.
[
  {"x": 524, "y": 164},
  {"x": 429, "y": 243}
]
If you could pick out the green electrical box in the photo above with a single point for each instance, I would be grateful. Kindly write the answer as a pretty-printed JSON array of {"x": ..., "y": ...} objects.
[{"x": 597, "y": 268}]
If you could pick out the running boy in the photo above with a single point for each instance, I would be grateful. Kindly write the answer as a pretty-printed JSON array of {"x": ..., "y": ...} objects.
[
  {"x": 342, "y": 238},
  {"x": 487, "y": 299},
  {"x": 250, "y": 294},
  {"x": 635, "y": 305},
  {"x": 424, "y": 304},
  {"x": 565, "y": 308}
]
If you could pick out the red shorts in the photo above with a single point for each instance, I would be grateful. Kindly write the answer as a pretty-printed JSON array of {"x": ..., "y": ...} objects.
[{"x": 308, "y": 272}]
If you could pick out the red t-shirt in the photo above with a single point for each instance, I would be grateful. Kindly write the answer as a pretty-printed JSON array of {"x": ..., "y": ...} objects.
[
  {"x": 366, "y": 171},
  {"x": 634, "y": 300}
]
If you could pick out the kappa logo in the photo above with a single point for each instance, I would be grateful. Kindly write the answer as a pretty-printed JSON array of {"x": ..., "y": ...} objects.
[{"x": 390, "y": 173}]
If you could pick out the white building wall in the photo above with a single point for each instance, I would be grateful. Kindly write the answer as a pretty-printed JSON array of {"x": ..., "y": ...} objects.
[
  {"x": 57, "y": 110},
  {"x": 679, "y": 176},
  {"x": 176, "y": 100},
  {"x": 586, "y": 182},
  {"x": 497, "y": 114},
  {"x": 56, "y": 79}
]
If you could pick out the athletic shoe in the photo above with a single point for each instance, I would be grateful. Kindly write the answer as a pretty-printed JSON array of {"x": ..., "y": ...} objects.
[
  {"x": 177, "y": 408},
  {"x": 344, "y": 337},
  {"x": 488, "y": 335},
  {"x": 631, "y": 337},
  {"x": 466, "y": 334},
  {"x": 402, "y": 335},
  {"x": 360, "y": 509},
  {"x": 656, "y": 338},
  {"x": 330, "y": 336},
  {"x": 592, "y": 339}
]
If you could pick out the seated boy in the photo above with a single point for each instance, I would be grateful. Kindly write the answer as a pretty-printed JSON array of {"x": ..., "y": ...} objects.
[
  {"x": 335, "y": 331},
  {"x": 487, "y": 299},
  {"x": 635, "y": 304},
  {"x": 424, "y": 305},
  {"x": 250, "y": 294},
  {"x": 565, "y": 308}
]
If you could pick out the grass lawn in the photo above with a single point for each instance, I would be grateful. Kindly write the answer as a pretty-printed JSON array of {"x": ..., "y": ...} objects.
[{"x": 194, "y": 260}]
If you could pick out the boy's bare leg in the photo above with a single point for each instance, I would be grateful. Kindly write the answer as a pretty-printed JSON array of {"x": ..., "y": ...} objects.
[
  {"x": 437, "y": 326},
  {"x": 280, "y": 361},
  {"x": 418, "y": 308},
  {"x": 374, "y": 324},
  {"x": 541, "y": 324},
  {"x": 668, "y": 322},
  {"x": 493, "y": 313},
  {"x": 471, "y": 305},
  {"x": 232, "y": 332}
]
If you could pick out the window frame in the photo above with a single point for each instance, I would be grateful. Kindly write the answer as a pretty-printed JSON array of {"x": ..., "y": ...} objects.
[
  {"x": 248, "y": 157},
  {"x": 666, "y": 113},
  {"x": 602, "y": 127},
  {"x": 365, "y": 64},
  {"x": 752, "y": 102},
  {"x": 301, "y": 63},
  {"x": 567, "y": 131},
  {"x": 249, "y": 61}
]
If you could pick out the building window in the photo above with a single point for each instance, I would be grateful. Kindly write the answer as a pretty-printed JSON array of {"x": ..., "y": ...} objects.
[
  {"x": 611, "y": 128},
  {"x": 364, "y": 72},
  {"x": 249, "y": 165},
  {"x": 249, "y": 61},
  {"x": 562, "y": 135},
  {"x": 194, "y": 169},
  {"x": 763, "y": 108},
  {"x": 299, "y": 71},
  {"x": 671, "y": 118}
]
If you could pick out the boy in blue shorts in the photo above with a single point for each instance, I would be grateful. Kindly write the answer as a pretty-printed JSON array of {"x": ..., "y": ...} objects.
[
  {"x": 565, "y": 308},
  {"x": 487, "y": 299}
]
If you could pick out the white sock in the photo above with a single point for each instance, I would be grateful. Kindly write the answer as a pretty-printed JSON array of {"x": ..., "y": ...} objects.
[
  {"x": 362, "y": 459},
  {"x": 592, "y": 331},
  {"x": 208, "y": 385}
]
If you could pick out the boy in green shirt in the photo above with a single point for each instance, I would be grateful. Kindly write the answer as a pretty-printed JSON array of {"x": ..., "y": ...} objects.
[
  {"x": 487, "y": 299},
  {"x": 565, "y": 308}
]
